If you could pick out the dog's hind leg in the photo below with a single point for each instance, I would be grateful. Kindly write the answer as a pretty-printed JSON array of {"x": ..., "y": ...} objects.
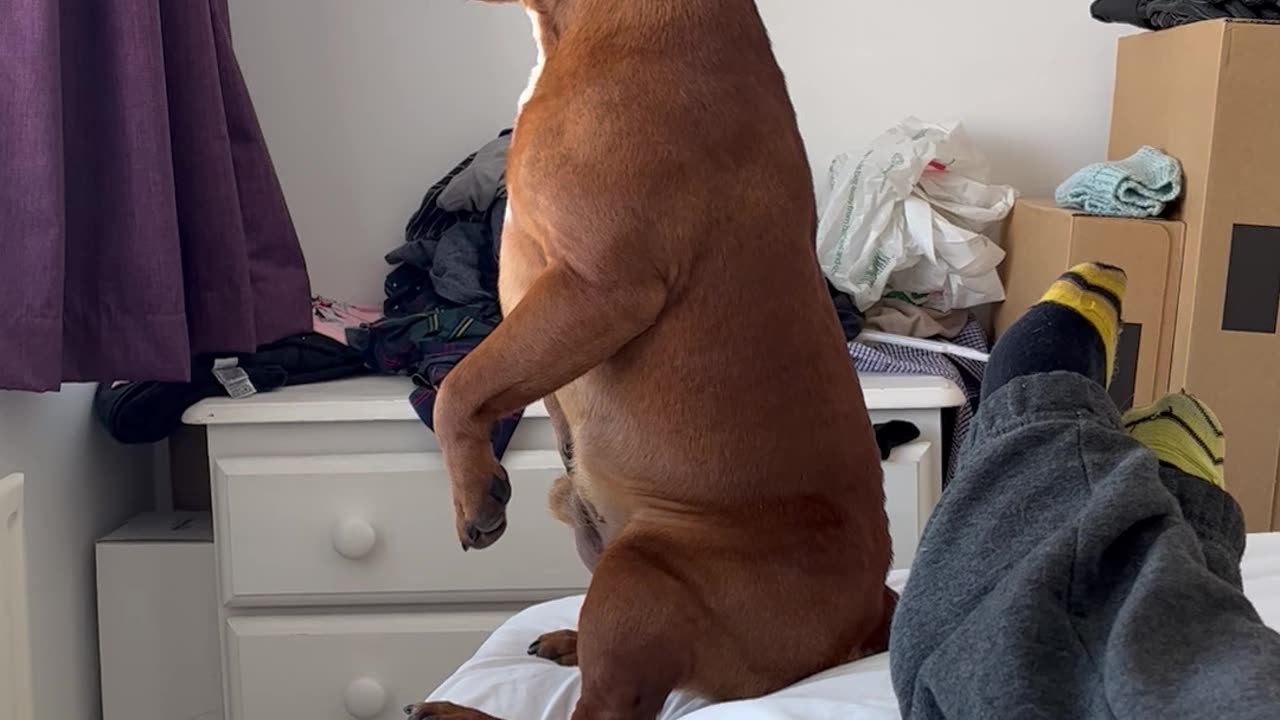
[
  {"x": 638, "y": 632},
  {"x": 443, "y": 711},
  {"x": 878, "y": 641},
  {"x": 560, "y": 647}
]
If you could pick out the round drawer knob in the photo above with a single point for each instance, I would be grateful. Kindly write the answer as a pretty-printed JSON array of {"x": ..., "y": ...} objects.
[
  {"x": 354, "y": 539},
  {"x": 365, "y": 699}
]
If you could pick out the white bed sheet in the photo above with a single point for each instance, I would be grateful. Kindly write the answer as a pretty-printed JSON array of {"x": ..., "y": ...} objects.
[{"x": 503, "y": 681}]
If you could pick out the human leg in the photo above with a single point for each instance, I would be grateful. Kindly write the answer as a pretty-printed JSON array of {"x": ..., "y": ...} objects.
[{"x": 1064, "y": 570}]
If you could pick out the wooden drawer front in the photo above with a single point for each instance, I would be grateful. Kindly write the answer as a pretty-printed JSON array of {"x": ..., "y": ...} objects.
[
  {"x": 910, "y": 494},
  {"x": 366, "y": 667},
  {"x": 379, "y": 528}
]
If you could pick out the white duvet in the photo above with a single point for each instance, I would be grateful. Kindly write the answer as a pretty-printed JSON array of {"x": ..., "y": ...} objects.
[{"x": 503, "y": 681}]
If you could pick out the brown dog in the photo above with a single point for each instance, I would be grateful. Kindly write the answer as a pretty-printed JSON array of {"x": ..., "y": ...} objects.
[{"x": 661, "y": 290}]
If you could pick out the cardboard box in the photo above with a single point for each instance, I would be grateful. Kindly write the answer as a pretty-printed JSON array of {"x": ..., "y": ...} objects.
[
  {"x": 1209, "y": 94},
  {"x": 158, "y": 620},
  {"x": 1044, "y": 241}
]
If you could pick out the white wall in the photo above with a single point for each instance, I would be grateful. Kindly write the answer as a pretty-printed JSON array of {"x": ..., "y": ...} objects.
[
  {"x": 365, "y": 104},
  {"x": 79, "y": 485}
]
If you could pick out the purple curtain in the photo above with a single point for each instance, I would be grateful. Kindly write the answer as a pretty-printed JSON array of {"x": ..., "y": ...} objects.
[{"x": 141, "y": 221}]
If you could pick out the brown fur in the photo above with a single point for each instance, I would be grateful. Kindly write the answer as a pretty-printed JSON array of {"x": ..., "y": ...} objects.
[{"x": 660, "y": 284}]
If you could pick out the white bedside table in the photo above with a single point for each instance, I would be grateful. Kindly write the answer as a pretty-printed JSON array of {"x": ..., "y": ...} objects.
[{"x": 342, "y": 591}]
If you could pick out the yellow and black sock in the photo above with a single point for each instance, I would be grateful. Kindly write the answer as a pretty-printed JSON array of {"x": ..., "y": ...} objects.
[
  {"x": 1183, "y": 432},
  {"x": 1075, "y": 328},
  {"x": 1096, "y": 292}
]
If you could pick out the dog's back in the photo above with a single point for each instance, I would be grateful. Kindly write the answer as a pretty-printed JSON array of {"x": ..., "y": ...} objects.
[{"x": 730, "y": 441}]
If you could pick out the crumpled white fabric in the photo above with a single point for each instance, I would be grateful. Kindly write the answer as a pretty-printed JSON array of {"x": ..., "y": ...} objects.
[
  {"x": 502, "y": 680},
  {"x": 909, "y": 215}
]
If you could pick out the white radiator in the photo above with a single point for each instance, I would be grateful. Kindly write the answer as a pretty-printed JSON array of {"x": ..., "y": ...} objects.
[{"x": 15, "y": 642}]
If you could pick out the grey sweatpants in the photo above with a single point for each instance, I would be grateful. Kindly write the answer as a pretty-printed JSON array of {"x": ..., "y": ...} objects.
[{"x": 1067, "y": 574}]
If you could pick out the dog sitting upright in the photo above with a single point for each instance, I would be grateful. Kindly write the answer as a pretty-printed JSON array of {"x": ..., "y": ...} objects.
[{"x": 661, "y": 291}]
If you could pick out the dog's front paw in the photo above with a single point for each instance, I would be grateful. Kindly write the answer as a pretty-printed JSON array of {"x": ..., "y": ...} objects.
[
  {"x": 481, "y": 489},
  {"x": 482, "y": 514}
]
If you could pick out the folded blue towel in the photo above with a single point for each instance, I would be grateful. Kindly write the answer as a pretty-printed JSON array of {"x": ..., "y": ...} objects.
[{"x": 1140, "y": 186}]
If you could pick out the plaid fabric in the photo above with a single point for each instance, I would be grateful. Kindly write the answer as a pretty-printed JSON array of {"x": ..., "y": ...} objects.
[
  {"x": 909, "y": 361},
  {"x": 426, "y": 346}
]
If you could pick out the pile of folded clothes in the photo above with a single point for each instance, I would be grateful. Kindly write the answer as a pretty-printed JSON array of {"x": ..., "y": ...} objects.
[{"x": 442, "y": 295}]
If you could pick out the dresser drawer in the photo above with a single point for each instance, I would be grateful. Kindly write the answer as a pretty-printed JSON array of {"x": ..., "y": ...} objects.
[
  {"x": 911, "y": 490},
  {"x": 355, "y": 529},
  {"x": 366, "y": 667}
]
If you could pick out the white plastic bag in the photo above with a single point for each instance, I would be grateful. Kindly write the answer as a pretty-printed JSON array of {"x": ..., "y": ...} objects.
[{"x": 909, "y": 216}]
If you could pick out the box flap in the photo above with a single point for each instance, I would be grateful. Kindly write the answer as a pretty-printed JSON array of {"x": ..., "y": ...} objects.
[
  {"x": 1045, "y": 205},
  {"x": 170, "y": 527},
  {"x": 1248, "y": 21},
  {"x": 1206, "y": 93}
]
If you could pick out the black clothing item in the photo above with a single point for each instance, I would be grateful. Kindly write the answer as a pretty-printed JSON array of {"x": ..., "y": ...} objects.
[
  {"x": 1129, "y": 12},
  {"x": 147, "y": 412},
  {"x": 852, "y": 321},
  {"x": 894, "y": 434},
  {"x": 1164, "y": 14}
]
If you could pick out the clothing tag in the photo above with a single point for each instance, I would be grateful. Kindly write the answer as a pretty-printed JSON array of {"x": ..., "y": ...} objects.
[{"x": 233, "y": 378}]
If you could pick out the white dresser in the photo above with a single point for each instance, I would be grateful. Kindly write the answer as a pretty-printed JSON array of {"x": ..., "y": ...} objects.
[{"x": 344, "y": 593}]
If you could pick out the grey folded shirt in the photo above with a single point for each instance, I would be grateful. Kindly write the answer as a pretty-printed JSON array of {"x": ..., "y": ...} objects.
[{"x": 475, "y": 188}]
